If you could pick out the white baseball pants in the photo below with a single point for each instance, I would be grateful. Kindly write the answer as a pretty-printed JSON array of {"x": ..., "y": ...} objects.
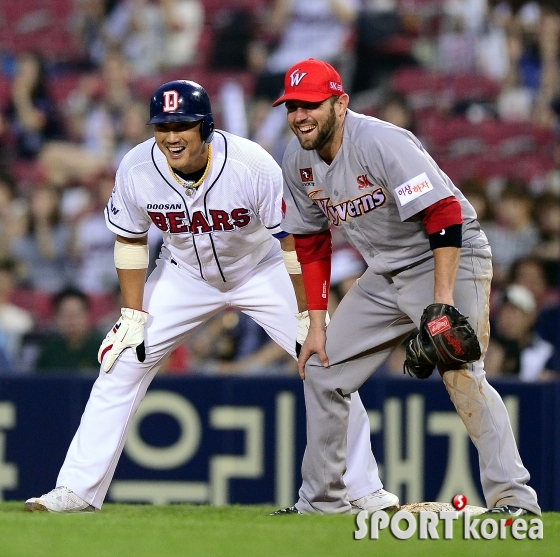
[{"x": 178, "y": 303}]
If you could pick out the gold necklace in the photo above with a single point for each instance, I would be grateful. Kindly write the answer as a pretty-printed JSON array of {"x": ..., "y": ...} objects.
[{"x": 190, "y": 186}]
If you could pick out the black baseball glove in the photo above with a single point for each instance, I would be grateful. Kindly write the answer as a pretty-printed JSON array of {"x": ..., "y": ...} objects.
[{"x": 445, "y": 337}]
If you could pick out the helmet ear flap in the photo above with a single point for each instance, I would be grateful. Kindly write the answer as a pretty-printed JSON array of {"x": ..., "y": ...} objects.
[{"x": 207, "y": 128}]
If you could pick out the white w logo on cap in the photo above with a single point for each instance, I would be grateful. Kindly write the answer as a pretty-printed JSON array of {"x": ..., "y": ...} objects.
[{"x": 296, "y": 77}]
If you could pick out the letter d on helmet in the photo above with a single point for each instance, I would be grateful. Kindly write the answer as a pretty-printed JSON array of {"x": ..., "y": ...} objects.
[{"x": 182, "y": 101}]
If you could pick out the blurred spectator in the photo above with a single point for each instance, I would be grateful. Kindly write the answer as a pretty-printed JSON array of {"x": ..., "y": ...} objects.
[
  {"x": 531, "y": 82},
  {"x": 548, "y": 54},
  {"x": 553, "y": 179},
  {"x": 515, "y": 348},
  {"x": 512, "y": 234},
  {"x": 45, "y": 249},
  {"x": 457, "y": 40},
  {"x": 155, "y": 34},
  {"x": 213, "y": 342},
  {"x": 531, "y": 273},
  {"x": 475, "y": 192},
  {"x": 95, "y": 244},
  {"x": 232, "y": 343},
  {"x": 183, "y": 21},
  {"x": 515, "y": 101},
  {"x": 326, "y": 26},
  {"x": 6, "y": 144},
  {"x": 12, "y": 214},
  {"x": 94, "y": 113},
  {"x": 491, "y": 48},
  {"x": 234, "y": 29},
  {"x": 131, "y": 131},
  {"x": 15, "y": 322},
  {"x": 398, "y": 111},
  {"x": 133, "y": 28},
  {"x": 87, "y": 24},
  {"x": 379, "y": 22},
  {"x": 547, "y": 216},
  {"x": 73, "y": 344},
  {"x": 31, "y": 115}
]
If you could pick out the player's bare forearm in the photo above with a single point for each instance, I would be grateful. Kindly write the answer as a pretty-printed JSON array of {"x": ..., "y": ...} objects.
[
  {"x": 132, "y": 280},
  {"x": 297, "y": 283},
  {"x": 288, "y": 244},
  {"x": 446, "y": 263}
]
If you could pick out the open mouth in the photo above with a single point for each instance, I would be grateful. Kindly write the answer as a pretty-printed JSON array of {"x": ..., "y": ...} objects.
[
  {"x": 176, "y": 151},
  {"x": 307, "y": 129}
]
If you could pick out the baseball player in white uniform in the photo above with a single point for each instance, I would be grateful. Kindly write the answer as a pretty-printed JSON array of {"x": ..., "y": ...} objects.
[
  {"x": 422, "y": 244},
  {"x": 217, "y": 200}
]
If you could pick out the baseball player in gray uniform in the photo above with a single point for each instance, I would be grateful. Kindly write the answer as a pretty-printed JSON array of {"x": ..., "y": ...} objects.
[
  {"x": 423, "y": 245},
  {"x": 217, "y": 200}
]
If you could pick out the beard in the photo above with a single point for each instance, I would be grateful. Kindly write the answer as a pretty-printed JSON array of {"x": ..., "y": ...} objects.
[{"x": 324, "y": 133}]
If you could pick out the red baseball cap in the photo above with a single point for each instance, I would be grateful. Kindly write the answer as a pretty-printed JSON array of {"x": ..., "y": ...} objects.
[{"x": 312, "y": 81}]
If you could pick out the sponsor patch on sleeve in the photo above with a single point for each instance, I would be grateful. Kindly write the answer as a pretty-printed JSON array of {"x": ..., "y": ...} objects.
[{"x": 413, "y": 188}]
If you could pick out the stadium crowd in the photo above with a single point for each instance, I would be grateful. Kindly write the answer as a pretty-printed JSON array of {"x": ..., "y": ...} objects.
[{"x": 476, "y": 80}]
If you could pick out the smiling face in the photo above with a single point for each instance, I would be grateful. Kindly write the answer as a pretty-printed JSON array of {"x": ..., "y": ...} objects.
[
  {"x": 182, "y": 145},
  {"x": 318, "y": 126}
]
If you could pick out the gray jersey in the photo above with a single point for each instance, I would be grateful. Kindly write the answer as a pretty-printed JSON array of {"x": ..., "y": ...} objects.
[
  {"x": 223, "y": 230},
  {"x": 373, "y": 191}
]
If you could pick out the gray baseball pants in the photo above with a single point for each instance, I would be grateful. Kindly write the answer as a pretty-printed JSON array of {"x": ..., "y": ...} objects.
[{"x": 373, "y": 318}]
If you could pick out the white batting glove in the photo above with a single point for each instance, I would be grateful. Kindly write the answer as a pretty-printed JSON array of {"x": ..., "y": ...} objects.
[
  {"x": 128, "y": 332},
  {"x": 303, "y": 328}
]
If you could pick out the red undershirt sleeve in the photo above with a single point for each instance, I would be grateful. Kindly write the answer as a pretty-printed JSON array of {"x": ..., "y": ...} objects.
[
  {"x": 442, "y": 214},
  {"x": 314, "y": 254}
]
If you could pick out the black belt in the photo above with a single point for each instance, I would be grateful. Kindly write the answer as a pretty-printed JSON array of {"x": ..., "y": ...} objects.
[{"x": 407, "y": 267}]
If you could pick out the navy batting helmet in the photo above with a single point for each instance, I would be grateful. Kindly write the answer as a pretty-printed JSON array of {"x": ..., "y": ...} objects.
[{"x": 182, "y": 101}]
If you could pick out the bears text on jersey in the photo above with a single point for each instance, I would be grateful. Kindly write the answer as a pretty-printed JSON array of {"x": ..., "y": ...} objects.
[{"x": 177, "y": 222}]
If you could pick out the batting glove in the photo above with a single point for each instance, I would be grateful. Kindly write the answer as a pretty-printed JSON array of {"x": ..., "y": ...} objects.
[
  {"x": 128, "y": 332},
  {"x": 303, "y": 328}
]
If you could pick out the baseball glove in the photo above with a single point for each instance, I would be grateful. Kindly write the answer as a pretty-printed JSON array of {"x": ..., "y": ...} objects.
[{"x": 445, "y": 337}]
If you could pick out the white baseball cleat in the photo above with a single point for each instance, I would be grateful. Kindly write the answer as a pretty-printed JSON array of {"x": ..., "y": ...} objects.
[
  {"x": 59, "y": 500},
  {"x": 379, "y": 500}
]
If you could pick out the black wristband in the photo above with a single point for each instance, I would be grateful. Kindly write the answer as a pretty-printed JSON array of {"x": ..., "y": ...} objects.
[{"x": 452, "y": 236}]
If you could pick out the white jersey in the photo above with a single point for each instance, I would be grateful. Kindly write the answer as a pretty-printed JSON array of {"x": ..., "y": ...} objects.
[{"x": 224, "y": 229}]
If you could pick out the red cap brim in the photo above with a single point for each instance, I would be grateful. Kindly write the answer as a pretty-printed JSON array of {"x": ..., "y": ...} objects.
[{"x": 309, "y": 96}]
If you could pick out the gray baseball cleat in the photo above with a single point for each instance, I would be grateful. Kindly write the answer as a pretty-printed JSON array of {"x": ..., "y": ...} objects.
[
  {"x": 379, "y": 500},
  {"x": 59, "y": 500},
  {"x": 510, "y": 510}
]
